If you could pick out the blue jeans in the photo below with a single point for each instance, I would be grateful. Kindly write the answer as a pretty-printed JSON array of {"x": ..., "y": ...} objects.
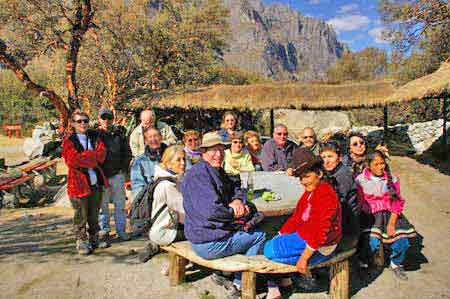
[
  {"x": 115, "y": 194},
  {"x": 248, "y": 243},
  {"x": 288, "y": 248},
  {"x": 398, "y": 248}
]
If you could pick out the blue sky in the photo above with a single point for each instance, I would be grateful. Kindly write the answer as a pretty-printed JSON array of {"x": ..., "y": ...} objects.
[{"x": 357, "y": 23}]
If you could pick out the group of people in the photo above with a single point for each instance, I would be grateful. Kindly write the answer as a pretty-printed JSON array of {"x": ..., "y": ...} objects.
[{"x": 350, "y": 200}]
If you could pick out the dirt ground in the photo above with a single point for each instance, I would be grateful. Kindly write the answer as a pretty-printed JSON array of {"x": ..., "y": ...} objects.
[{"x": 38, "y": 258}]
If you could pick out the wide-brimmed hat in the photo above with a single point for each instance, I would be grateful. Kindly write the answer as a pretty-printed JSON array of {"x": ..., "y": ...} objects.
[
  {"x": 211, "y": 139},
  {"x": 303, "y": 160}
]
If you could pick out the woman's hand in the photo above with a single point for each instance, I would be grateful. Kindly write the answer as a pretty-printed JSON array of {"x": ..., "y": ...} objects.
[{"x": 290, "y": 172}]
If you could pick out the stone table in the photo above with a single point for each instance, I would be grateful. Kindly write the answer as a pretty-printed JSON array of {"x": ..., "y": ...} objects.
[{"x": 286, "y": 187}]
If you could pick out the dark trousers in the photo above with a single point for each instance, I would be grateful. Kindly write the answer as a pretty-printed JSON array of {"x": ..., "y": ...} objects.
[{"x": 86, "y": 211}]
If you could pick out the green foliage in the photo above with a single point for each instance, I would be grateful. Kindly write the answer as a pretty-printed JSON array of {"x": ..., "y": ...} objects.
[
  {"x": 421, "y": 27},
  {"x": 18, "y": 105}
]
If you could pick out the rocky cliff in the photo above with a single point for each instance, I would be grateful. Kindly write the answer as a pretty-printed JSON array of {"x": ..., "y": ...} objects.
[{"x": 278, "y": 42}]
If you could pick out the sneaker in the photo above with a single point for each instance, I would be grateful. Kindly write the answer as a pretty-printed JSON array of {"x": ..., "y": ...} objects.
[
  {"x": 222, "y": 280},
  {"x": 149, "y": 251},
  {"x": 83, "y": 247},
  {"x": 104, "y": 242},
  {"x": 124, "y": 236},
  {"x": 306, "y": 283},
  {"x": 399, "y": 272},
  {"x": 233, "y": 292}
]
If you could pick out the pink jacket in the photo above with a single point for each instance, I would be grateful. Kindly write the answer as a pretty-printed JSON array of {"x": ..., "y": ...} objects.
[{"x": 374, "y": 195}]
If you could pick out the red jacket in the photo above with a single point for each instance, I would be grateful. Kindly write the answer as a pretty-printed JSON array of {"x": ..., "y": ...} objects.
[
  {"x": 78, "y": 161},
  {"x": 323, "y": 226}
]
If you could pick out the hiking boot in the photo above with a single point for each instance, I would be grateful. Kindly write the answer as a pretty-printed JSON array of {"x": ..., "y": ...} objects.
[
  {"x": 399, "y": 272},
  {"x": 149, "y": 251},
  {"x": 233, "y": 292},
  {"x": 83, "y": 247},
  {"x": 123, "y": 236},
  {"x": 104, "y": 242},
  {"x": 222, "y": 280}
]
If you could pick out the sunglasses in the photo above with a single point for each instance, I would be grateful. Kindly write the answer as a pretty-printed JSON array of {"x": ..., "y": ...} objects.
[
  {"x": 84, "y": 121},
  {"x": 236, "y": 142},
  {"x": 106, "y": 117},
  {"x": 191, "y": 139},
  {"x": 358, "y": 143},
  {"x": 308, "y": 137},
  {"x": 282, "y": 134}
]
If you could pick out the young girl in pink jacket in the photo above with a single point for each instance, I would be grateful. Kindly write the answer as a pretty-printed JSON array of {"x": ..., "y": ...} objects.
[{"x": 382, "y": 212}]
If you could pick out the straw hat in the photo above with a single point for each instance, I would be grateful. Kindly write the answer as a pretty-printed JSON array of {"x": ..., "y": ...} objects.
[{"x": 211, "y": 139}]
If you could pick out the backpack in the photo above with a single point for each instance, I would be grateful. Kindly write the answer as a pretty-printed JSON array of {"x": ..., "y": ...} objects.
[{"x": 141, "y": 208}]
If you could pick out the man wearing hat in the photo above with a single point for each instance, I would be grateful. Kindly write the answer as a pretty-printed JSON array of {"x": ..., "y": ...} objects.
[
  {"x": 212, "y": 202},
  {"x": 115, "y": 166}
]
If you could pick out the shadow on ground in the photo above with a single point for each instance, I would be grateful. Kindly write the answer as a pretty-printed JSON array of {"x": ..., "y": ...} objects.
[{"x": 42, "y": 237}]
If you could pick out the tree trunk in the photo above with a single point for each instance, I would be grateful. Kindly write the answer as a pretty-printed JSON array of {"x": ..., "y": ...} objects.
[{"x": 11, "y": 63}]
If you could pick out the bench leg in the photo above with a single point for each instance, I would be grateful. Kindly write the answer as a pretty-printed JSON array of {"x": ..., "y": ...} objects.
[
  {"x": 378, "y": 258},
  {"x": 177, "y": 269},
  {"x": 248, "y": 290},
  {"x": 340, "y": 280}
]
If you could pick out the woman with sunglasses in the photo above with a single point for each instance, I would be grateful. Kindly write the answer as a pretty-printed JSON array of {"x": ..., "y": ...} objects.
[
  {"x": 228, "y": 125},
  {"x": 191, "y": 140},
  {"x": 83, "y": 152},
  {"x": 355, "y": 159},
  {"x": 237, "y": 158}
]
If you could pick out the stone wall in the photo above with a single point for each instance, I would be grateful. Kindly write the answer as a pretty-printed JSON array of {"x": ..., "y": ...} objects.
[{"x": 419, "y": 135}]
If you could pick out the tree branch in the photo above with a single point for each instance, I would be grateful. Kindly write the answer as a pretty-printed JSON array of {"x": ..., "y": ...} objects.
[{"x": 12, "y": 64}]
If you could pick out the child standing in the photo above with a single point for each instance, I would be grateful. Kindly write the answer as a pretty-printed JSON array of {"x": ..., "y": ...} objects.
[{"x": 382, "y": 206}]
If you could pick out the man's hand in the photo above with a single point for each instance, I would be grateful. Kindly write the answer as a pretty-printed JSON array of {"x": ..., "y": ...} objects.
[{"x": 239, "y": 209}]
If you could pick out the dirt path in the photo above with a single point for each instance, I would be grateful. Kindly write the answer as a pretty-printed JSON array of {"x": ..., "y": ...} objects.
[{"x": 38, "y": 259}]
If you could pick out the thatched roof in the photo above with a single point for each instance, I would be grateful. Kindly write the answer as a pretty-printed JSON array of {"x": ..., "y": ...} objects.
[
  {"x": 276, "y": 96},
  {"x": 303, "y": 95},
  {"x": 430, "y": 86}
]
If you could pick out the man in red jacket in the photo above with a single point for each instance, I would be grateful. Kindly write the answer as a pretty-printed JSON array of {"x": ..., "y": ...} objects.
[
  {"x": 83, "y": 152},
  {"x": 311, "y": 235}
]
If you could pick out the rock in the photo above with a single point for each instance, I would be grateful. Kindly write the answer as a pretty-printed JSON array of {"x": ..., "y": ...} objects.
[
  {"x": 278, "y": 42},
  {"x": 296, "y": 120}
]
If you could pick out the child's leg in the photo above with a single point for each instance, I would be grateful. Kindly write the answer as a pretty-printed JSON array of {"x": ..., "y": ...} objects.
[
  {"x": 374, "y": 244},
  {"x": 399, "y": 249},
  {"x": 285, "y": 248}
]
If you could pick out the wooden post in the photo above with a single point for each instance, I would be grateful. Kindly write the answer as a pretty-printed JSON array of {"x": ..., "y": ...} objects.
[
  {"x": 378, "y": 258},
  {"x": 272, "y": 122},
  {"x": 177, "y": 269},
  {"x": 248, "y": 290},
  {"x": 340, "y": 280},
  {"x": 444, "y": 116},
  {"x": 385, "y": 122}
]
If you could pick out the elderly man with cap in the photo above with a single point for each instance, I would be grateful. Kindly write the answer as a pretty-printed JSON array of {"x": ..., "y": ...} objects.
[
  {"x": 115, "y": 166},
  {"x": 212, "y": 202},
  {"x": 137, "y": 142}
]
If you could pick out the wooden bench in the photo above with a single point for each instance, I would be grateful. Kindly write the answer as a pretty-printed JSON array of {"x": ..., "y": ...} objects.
[{"x": 180, "y": 253}]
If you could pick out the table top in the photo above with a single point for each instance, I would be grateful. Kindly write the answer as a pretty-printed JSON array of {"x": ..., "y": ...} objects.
[{"x": 287, "y": 187}]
